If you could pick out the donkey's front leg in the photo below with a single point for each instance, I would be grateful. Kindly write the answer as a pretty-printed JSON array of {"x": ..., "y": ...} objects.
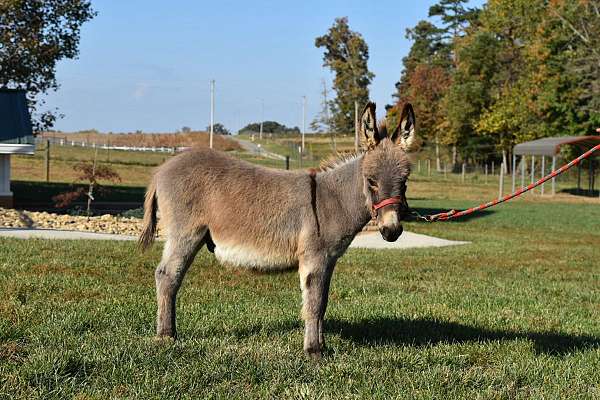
[{"x": 315, "y": 276}]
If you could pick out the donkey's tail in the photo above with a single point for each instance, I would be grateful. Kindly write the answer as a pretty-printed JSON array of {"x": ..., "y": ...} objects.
[{"x": 149, "y": 223}]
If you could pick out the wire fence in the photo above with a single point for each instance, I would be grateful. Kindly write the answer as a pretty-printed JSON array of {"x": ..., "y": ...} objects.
[
  {"x": 286, "y": 153},
  {"x": 581, "y": 180}
]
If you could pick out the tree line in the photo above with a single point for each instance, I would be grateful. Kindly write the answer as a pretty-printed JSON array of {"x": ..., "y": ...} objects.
[{"x": 512, "y": 71}]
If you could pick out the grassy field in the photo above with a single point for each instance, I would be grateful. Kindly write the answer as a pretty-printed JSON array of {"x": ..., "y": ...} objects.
[
  {"x": 514, "y": 314},
  {"x": 134, "y": 167}
]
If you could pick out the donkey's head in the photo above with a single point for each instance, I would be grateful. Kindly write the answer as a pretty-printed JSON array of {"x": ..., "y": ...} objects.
[{"x": 386, "y": 168}]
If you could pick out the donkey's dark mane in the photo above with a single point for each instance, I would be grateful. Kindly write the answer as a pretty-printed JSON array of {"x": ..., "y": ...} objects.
[
  {"x": 337, "y": 160},
  {"x": 341, "y": 158}
]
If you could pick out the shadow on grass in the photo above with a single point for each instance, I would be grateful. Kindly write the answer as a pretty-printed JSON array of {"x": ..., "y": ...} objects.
[
  {"x": 422, "y": 332},
  {"x": 581, "y": 192},
  {"x": 427, "y": 332},
  {"x": 430, "y": 211}
]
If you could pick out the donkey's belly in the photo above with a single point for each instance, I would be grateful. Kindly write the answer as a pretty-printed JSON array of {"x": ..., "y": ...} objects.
[{"x": 241, "y": 255}]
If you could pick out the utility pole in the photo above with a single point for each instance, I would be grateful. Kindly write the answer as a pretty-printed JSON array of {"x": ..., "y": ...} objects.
[
  {"x": 356, "y": 126},
  {"x": 327, "y": 121},
  {"x": 303, "y": 121},
  {"x": 262, "y": 117},
  {"x": 212, "y": 111},
  {"x": 325, "y": 104}
]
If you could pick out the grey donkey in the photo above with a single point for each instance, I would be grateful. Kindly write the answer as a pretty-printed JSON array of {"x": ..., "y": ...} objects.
[{"x": 256, "y": 217}]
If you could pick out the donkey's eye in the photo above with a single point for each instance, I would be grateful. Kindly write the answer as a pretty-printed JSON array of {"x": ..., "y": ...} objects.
[{"x": 372, "y": 182}]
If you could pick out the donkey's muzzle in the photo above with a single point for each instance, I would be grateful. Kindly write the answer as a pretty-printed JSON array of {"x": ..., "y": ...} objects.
[{"x": 391, "y": 233}]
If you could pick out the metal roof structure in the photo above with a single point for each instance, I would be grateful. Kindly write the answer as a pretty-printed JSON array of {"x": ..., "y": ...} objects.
[
  {"x": 551, "y": 146},
  {"x": 15, "y": 121}
]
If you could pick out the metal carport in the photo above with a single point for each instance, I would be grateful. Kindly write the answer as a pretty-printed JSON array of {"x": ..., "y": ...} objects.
[{"x": 550, "y": 147}]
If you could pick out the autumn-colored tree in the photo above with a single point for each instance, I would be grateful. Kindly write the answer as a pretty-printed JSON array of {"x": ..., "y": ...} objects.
[
  {"x": 346, "y": 54},
  {"x": 425, "y": 87},
  {"x": 90, "y": 174},
  {"x": 34, "y": 36},
  {"x": 427, "y": 48}
]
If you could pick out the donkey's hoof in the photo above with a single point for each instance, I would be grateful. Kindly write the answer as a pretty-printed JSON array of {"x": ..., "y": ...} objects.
[
  {"x": 314, "y": 354},
  {"x": 162, "y": 338}
]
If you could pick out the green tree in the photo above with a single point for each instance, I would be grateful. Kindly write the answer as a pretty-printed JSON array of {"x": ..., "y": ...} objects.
[
  {"x": 34, "y": 36},
  {"x": 269, "y": 127},
  {"x": 455, "y": 17},
  {"x": 580, "y": 24},
  {"x": 219, "y": 129},
  {"x": 346, "y": 54}
]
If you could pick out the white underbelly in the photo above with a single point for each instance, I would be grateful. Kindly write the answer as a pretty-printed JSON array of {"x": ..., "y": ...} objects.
[{"x": 245, "y": 256}]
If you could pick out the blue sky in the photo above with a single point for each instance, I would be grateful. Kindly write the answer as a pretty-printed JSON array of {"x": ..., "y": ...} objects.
[{"x": 147, "y": 64}]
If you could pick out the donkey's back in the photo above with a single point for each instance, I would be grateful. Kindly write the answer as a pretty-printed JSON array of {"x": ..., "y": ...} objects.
[{"x": 247, "y": 214}]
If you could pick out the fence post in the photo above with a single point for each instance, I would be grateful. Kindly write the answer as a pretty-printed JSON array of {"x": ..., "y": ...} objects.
[
  {"x": 543, "y": 171},
  {"x": 591, "y": 176},
  {"x": 464, "y": 167},
  {"x": 445, "y": 171},
  {"x": 523, "y": 162},
  {"x": 287, "y": 162},
  {"x": 493, "y": 168},
  {"x": 47, "y": 159},
  {"x": 428, "y": 167},
  {"x": 532, "y": 171},
  {"x": 578, "y": 178},
  {"x": 501, "y": 183},
  {"x": 514, "y": 172},
  {"x": 486, "y": 173},
  {"x": 419, "y": 166},
  {"x": 553, "y": 179}
]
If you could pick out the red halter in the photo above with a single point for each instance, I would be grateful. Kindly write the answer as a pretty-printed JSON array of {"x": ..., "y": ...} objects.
[{"x": 385, "y": 202}]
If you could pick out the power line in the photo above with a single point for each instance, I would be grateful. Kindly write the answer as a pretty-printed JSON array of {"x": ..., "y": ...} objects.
[{"x": 303, "y": 120}]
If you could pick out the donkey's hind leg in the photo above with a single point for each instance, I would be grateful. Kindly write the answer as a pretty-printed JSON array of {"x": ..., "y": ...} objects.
[{"x": 178, "y": 254}]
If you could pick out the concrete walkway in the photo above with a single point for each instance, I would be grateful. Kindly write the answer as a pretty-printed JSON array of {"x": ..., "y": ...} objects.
[
  {"x": 254, "y": 148},
  {"x": 408, "y": 240},
  {"x": 367, "y": 240}
]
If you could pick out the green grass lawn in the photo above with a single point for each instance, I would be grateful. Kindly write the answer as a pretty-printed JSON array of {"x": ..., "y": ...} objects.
[{"x": 515, "y": 314}]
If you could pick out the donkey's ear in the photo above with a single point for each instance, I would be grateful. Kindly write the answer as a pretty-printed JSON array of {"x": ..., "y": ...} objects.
[
  {"x": 369, "y": 135},
  {"x": 405, "y": 135}
]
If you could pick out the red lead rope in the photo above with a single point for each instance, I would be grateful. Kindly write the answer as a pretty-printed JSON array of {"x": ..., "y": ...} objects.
[{"x": 445, "y": 216}]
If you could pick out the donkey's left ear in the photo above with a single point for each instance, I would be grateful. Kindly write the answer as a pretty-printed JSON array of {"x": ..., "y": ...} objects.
[
  {"x": 369, "y": 135},
  {"x": 405, "y": 135}
]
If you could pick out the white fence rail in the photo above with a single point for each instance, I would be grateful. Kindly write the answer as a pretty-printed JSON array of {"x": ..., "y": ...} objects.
[{"x": 105, "y": 146}]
